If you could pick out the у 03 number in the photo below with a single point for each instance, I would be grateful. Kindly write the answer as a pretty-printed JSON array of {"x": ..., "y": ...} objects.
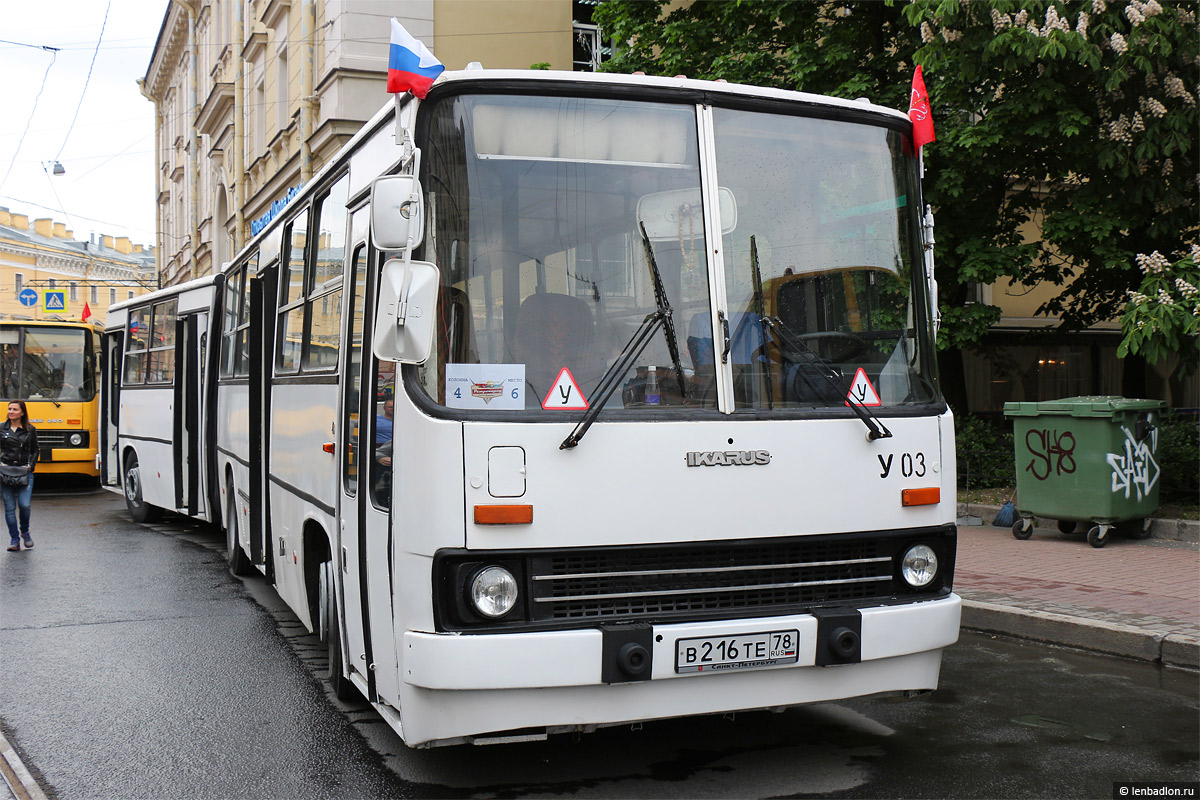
[{"x": 911, "y": 465}]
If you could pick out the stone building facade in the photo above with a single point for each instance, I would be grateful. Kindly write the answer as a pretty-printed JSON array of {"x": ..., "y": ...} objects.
[{"x": 252, "y": 97}]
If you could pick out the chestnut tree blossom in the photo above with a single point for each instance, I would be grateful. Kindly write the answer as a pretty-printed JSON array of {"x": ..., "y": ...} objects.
[{"x": 1074, "y": 119}]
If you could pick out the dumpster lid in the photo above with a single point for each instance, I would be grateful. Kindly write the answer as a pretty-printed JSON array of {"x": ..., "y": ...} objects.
[{"x": 1086, "y": 406}]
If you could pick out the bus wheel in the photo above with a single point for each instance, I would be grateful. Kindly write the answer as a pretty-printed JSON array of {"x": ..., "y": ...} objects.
[
  {"x": 239, "y": 564},
  {"x": 331, "y": 631},
  {"x": 139, "y": 509}
]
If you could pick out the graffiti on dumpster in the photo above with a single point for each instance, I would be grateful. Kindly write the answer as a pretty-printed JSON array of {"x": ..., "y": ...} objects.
[
  {"x": 1134, "y": 469},
  {"x": 1052, "y": 452}
]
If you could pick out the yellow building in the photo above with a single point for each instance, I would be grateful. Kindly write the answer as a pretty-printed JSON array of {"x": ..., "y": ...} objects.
[
  {"x": 252, "y": 97},
  {"x": 42, "y": 256}
]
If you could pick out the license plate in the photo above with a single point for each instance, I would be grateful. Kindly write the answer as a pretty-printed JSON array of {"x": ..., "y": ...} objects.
[{"x": 742, "y": 651}]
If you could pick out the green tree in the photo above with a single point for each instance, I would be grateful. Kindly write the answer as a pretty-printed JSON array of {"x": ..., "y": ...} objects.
[
  {"x": 1162, "y": 318},
  {"x": 1077, "y": 119},
  {"x": 1094, "y": 105}
]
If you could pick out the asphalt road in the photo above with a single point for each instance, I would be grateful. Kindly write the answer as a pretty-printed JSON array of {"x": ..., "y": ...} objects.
[{"x": 135, "y": 666}]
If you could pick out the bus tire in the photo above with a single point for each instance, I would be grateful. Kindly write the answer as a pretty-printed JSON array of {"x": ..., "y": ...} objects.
[
  {"x": 239, "y": 564},
  {"x": 331, "y": 630},
  {"x": 139, "y": 509}
]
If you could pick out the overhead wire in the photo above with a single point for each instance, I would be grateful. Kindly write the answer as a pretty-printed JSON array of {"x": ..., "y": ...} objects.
[
  {"x": 57, "y": 199},
  {"x": 86, "y": 81},
  {"x": 120, "y": 225},
  {"x": 53, "y": 57},
  {"x": 118, "y": 153}
]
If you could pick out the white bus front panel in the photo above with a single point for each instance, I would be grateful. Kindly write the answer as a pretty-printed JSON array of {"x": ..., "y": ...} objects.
[{"x": 629, "y": 483}]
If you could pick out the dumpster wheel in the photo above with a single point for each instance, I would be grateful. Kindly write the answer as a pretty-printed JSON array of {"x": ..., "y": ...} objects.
[
  {"x": 1023, "y": 528},
  {"x": 1135, "y": 528},
  {"x": 1097, "y": 535}
]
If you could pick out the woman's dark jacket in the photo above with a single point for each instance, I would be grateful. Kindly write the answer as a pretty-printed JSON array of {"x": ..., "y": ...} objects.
[{"x": 18, "y": 445}]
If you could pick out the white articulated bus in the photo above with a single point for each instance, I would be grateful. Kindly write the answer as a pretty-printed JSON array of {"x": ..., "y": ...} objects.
[
  {"x": 155, "y": 411},
  {"x": 562, "y": 400}
]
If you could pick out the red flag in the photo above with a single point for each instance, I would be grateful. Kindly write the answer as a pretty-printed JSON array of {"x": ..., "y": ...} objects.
[
  {"x": 918, "y": 112},
  {"x": 87, "y": 312}
]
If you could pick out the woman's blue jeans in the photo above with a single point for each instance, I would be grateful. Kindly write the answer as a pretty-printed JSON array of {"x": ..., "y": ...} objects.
[{"x": 16, "y": 499}]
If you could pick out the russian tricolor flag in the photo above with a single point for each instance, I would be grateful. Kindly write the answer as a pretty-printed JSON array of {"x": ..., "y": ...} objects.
[{"x": 411, "y": 67}]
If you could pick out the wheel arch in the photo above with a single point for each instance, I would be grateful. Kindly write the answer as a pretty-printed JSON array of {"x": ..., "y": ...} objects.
[{"x": 317, "y": 549}]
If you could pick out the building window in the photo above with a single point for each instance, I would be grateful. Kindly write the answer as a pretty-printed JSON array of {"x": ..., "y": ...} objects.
[
  {"x": 130, "y": 297},
  {"x": 52, "y": 283},
  {"x": 74, "y": 292},
  {"x": 19, "y": 282},
  {"x": 95, "y": 294},
  {"x": 589, "y": 50},
  {"x": 282, "y": 98},
  {"x": 260, "y": 120},
  {"x": 112, "y": 297}
]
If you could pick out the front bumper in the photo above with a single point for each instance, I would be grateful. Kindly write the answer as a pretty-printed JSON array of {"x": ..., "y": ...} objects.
[
  {"x": 546, "y": 659},
  {"x": 457, "y": 687}
]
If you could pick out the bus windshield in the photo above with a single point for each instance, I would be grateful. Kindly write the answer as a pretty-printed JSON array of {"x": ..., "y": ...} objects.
[
  {"x": 826, "y": 242},
  {"x": 561, "y": 224},
  {"x": 46, "y": 363}
]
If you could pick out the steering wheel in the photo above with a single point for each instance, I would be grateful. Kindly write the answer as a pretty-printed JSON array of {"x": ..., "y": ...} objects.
[{"x": 837, "y": 346}]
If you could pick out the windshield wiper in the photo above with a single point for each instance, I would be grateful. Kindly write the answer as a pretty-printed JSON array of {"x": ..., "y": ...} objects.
[
  {"x": 784, "y": 335},
  {"x": 660, "y": 318}
]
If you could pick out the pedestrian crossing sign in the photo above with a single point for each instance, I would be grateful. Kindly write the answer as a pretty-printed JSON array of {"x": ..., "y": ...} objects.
[{"x": 54, "y": 301}]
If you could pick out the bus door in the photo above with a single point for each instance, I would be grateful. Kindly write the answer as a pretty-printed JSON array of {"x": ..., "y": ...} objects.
[
  {"x": 110, "y": 408},
  {"x": 262, "y": 287},
  {"x": 364, "y": 561},
  {"x": 187, "y": 437}
]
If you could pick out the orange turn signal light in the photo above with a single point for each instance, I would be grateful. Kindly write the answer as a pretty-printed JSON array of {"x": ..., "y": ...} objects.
[
  {"x": 327, "y": 447},
  {"x": 921, "y": 497},
  {"x": 503, "y": 515}
]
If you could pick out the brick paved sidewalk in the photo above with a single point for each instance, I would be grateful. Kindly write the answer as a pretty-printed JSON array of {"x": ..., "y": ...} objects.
[{"x": 1139, "y": 599}]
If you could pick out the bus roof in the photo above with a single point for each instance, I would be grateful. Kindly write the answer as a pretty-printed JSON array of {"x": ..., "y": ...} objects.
[
  {"x": 679, "y": 82},
  {"x": 203, "y": 282},
  {"x": 58, "y": 323}
]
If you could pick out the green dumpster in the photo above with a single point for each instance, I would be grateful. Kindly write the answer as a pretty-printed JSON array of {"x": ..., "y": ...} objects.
[{"x": 1091, "y": 460}]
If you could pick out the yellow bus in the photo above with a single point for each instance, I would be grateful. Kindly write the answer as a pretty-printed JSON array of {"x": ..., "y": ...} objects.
[{"x": 54, "y": 367}]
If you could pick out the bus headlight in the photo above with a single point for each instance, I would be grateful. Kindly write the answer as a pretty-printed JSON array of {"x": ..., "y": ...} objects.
[
  {"x": 75, "y": 439},
  {"x": 919, "y": 565},
  {"x": 493, "y": 591}
]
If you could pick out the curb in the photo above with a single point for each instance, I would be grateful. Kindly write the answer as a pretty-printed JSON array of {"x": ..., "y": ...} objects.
[
  {"x": 16, "y": 776},
  {"x": 1176, "y": 650},
  {"x": 1177, "y": 530}
]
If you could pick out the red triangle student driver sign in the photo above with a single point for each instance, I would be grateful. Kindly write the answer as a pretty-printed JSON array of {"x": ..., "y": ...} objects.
[
  {"x": 862, "y": 392},
  {"x": 565, "y": 394}
]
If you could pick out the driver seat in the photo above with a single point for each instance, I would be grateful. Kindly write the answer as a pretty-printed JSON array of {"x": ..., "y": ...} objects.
[{"x": 554, "y": 331}]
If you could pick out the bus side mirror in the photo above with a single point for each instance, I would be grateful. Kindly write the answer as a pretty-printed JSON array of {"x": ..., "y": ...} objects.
[
  {"x": 405, "y": 314},
  {"x": 397, "y": 213}
]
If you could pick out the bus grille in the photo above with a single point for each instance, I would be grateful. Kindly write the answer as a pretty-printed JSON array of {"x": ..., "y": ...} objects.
[
  {"x": 58, "y": 438},
  {"x": 660, "y": 583},
  {"x": 633, "y": 583}
]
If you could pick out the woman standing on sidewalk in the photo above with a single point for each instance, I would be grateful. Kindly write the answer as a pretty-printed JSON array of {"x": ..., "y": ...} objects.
[{"x": 18, "y": 448}]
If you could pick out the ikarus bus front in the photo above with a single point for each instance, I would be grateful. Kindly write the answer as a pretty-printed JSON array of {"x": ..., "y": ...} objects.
[{"x": 665, "y": 430}]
